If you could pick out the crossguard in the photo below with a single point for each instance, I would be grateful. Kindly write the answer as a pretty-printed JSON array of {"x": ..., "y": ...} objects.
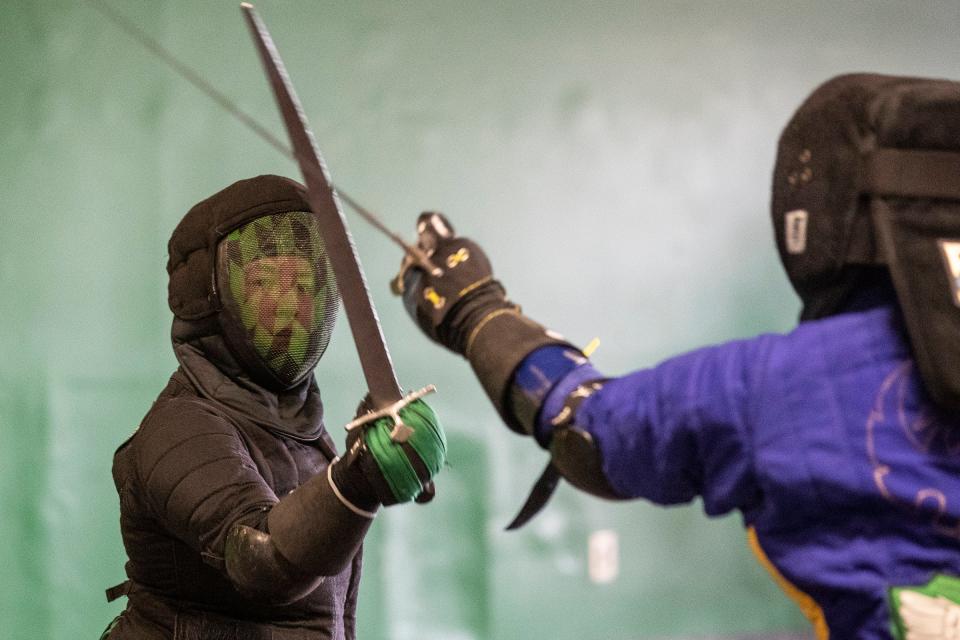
[
  {"x": 432, "y": 226},
  {"x": 400, "y": 432},
  {"x": 396, "y": 285}
]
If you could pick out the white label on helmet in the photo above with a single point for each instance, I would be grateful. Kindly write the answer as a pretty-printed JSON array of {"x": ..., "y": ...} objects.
[
  {"x": 796, "y": 231},
  {"x": 950, "y": 250}
]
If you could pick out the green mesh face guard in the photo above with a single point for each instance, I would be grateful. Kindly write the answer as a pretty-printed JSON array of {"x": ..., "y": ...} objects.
[{"x": 278, "y": 294}]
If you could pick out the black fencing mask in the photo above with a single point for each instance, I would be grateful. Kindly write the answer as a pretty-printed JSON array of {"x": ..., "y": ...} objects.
[{"x": 278, "y": 295}]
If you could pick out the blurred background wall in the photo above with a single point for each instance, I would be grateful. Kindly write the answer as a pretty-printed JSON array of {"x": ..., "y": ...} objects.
[{"x": 614, "y": 159}]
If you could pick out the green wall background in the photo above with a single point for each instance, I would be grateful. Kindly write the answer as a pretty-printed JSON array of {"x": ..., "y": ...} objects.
[{"x": 613, "y": 157}]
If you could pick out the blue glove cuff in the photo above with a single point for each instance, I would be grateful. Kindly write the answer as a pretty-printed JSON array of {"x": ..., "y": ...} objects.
[{"x": 541, "y": 384}]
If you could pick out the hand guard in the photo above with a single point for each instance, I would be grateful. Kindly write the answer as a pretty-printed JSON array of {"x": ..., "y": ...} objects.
[{"x": 392, "y": 456}]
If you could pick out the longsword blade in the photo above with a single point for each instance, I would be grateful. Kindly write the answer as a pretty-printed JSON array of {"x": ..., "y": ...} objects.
[{"x": 322, "y": 196}]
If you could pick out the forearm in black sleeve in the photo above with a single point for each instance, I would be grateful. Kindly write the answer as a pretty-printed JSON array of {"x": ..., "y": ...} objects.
[{"x": 310, "y": 534}]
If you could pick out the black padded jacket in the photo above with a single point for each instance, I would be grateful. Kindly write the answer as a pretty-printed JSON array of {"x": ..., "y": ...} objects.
[{"x": 214, "y": 450}]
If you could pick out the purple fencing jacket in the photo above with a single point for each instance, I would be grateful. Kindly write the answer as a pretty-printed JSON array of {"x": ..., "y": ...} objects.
[{"x": 847, "y": 477}]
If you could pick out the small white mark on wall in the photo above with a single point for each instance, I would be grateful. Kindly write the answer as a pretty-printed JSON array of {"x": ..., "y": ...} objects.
[{"x": 603, "y": 556}]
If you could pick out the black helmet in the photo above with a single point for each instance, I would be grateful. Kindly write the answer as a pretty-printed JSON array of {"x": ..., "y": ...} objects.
[{"x": 867, "y": 174}]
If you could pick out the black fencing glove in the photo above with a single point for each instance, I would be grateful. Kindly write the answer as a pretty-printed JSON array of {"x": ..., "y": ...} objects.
[{"x": 460, "y": 305}]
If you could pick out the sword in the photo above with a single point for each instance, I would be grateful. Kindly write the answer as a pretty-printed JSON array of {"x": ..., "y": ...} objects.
[
  {"x": 415, "y": 255},
  {"x": 385, "y": 393}
]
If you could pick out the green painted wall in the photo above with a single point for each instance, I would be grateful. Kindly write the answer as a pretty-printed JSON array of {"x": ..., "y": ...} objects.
[{"x": 613, "y": 156}]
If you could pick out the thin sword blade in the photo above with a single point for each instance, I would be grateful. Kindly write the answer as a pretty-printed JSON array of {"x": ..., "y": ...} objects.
[
  {"x": 194, "y": 78},
  {"x": 361, "y": 315}
]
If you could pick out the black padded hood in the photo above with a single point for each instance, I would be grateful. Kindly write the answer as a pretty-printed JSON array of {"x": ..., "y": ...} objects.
[
  {"x": 193, "y": 246},
  {"x": 198, "y": 341}
]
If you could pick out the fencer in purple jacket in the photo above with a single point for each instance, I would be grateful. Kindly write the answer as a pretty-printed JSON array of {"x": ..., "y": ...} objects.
[{"x": 839, "y": 442}]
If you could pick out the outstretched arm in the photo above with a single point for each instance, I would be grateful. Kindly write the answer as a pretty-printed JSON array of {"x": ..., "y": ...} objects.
[
  {"x": 315, "y": 530},
  {"x": 466, "y": 310},
  {"x": 198, "y": 479},
  {"x": 668, "y": 434}
]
